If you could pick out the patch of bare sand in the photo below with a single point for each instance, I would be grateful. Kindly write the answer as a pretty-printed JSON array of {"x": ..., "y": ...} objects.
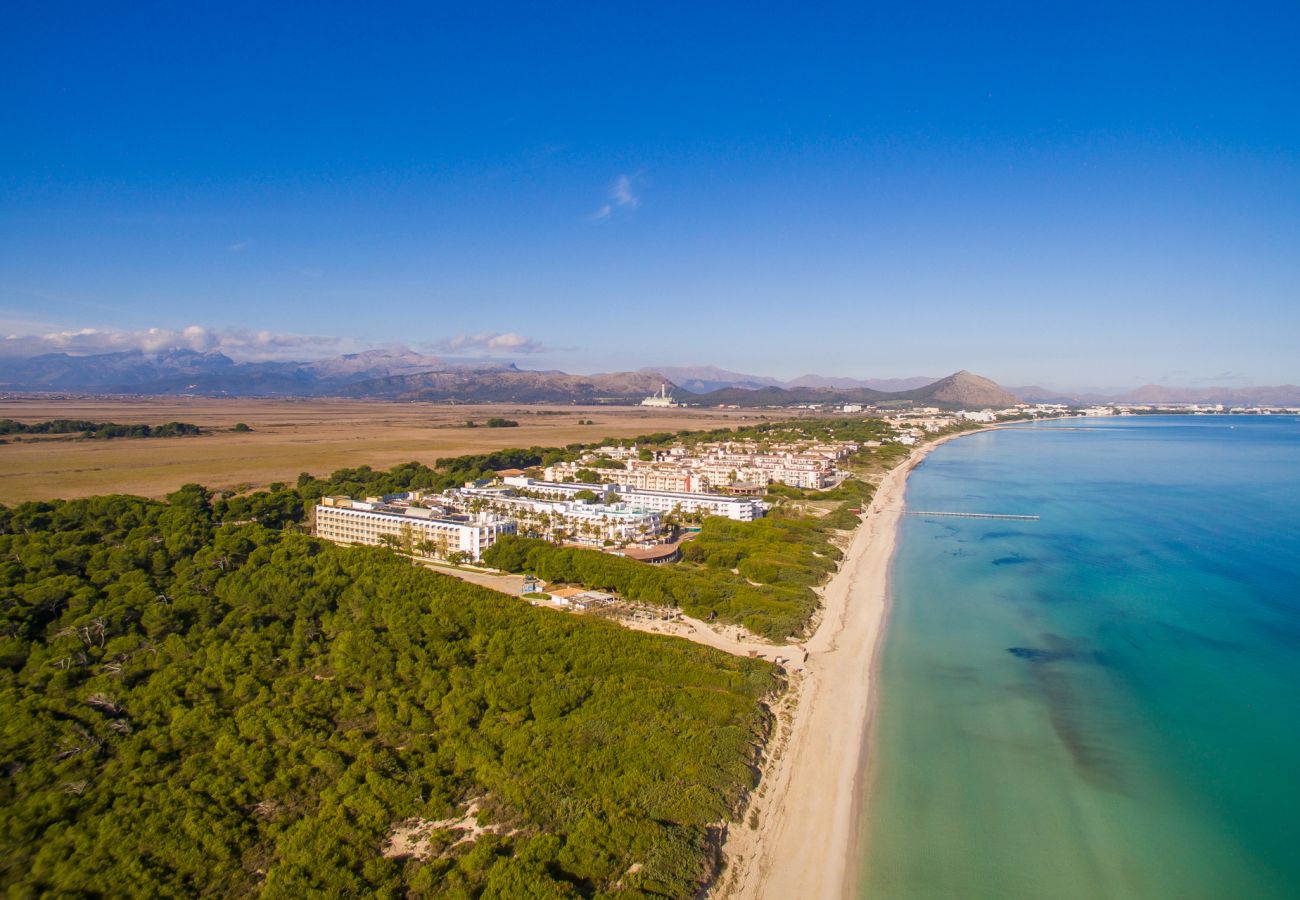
[{"x": 414, "y": 837}]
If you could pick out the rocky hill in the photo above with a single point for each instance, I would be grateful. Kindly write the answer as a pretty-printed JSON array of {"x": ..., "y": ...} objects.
[{"x": 964, "y": 389}]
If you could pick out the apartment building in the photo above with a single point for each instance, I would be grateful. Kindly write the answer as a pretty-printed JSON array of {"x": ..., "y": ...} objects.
[
  {"x": 645, "y": 476},
  {"x": 742, "y": 509}
]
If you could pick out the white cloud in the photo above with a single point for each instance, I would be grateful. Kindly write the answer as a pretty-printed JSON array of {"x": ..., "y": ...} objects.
[
  {"x": 240, "y": 245},
  {"x": 491, "y": 342},
  {"x": 622, "y": 196},
  {"x": 240, "y": 343}
]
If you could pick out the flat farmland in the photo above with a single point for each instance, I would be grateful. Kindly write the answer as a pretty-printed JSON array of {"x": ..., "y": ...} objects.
[{"x": 289, "y": 437}]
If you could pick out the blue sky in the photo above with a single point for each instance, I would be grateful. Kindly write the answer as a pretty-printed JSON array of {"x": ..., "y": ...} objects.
[{"x": 1082, "y": 195}]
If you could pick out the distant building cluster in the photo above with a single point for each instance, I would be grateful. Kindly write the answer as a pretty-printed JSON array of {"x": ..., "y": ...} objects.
[
  {"x": 612, "y": 497},
  {"x": 461, "y": 524},
  {"x": 733, "y": 467},
  {"x": 911, "y": 426},
  {"x": 742, "y": 509}
]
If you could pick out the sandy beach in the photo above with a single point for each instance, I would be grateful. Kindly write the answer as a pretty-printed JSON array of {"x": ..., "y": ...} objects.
[{"x": 799, "y": 837}]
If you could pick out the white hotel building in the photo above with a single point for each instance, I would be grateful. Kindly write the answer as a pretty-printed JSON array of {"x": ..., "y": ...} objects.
[
  {"x": 572, "y": 520},
  {"x": 346, "y": 521},
  {"x": 742, "y": 509}
]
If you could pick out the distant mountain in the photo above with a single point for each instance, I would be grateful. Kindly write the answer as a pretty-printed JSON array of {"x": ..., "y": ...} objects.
[
  {"x": 394, "y": 374},
  {"x": 1277, "y": 395},
  {"x": 370, "y": 364},
  {"x": 964, "y": 389},
  {"x": 1155, "y": 394},
  {"x": 961, "y": 389},
  {"x": 125, "y": 370},
  {"x": 876, "y": 384},
  {"x": 405, "y": 375},
  {"x": 705, "y": 379},
  {"x": 778, "y": 396},
  {"x": 513, "y": 386},
  {"x": 191, "y": 372},
  {"x": 1035, "y": 394}
]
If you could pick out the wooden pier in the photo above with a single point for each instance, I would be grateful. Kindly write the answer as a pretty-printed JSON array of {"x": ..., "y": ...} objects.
[{"x": 970, "y": 515}]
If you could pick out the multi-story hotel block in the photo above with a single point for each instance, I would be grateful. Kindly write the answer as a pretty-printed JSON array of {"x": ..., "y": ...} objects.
[
  {"x": 415, "y": 529},
  {"x": 652, "y": 477}
]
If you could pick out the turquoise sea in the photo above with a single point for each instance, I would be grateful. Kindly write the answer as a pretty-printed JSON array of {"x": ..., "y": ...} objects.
[{"x": 1104, "y": 703}]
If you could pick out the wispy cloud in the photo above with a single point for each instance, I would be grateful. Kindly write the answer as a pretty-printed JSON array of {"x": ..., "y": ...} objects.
[
  {"x": 240, "y": 343},
  {"x": 622, "y": 197},
  {"x": 490, "y": 342},
  {"x": 238, "y": 246}
]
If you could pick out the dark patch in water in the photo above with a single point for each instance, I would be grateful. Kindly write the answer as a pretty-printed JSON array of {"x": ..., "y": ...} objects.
[
  {"x": 1076, "y": 726},
  {"x": 1076, "y": 722},
  {"x": 1035, "y": 655},
  {"x": 1010, "y": 560}
]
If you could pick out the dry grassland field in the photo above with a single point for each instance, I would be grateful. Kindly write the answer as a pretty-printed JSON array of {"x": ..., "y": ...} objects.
[{"x": 288, "y": 437}]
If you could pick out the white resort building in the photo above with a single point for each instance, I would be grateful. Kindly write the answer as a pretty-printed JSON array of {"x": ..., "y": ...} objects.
[
  {"x": 565, "y": 520},
  {"x": 742, "y": 509},
  {"x": 417, "y": 530}
]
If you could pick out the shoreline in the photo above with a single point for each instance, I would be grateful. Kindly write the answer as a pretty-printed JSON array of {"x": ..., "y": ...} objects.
[{"x": 808, "y": 807}]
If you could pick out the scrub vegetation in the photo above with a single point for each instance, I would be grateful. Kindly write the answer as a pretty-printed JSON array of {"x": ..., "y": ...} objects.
[{"x": 97, "y": 430}]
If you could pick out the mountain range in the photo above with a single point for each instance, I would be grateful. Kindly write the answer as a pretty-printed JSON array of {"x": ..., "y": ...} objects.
[
  {"x": 1156, "y": 394},
  {"x": 401, "y": 374},
  {"x": 508, "y": 385},
  {"x": 705, "y": 379},
  {"x": 961, "y": 389},
  {"x": 407, "y": 375},
  {"x": 214, "y": 373}
]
